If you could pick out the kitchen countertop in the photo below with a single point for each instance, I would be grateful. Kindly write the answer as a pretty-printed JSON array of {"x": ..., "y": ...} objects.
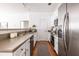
[
  {"x": 56, "y": 35},
  {"x": 6, "y": 31},
  {"x": 10, "y": 45}
]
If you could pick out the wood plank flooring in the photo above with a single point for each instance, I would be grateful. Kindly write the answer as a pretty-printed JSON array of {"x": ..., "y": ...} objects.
[{"x": 44, "y": 48}]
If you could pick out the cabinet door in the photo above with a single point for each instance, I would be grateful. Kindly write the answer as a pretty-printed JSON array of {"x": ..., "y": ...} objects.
[
  {"x": 35, "y": 38},
  {"x": 23, "y": 53},
  {"x": 56, "y": 44},
  {"x": 27, "y": 48},
  {"x": 20, "y": 51}
]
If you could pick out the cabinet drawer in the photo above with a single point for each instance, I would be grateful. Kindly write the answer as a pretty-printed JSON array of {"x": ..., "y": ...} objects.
[{"x": 20, "y": 50}]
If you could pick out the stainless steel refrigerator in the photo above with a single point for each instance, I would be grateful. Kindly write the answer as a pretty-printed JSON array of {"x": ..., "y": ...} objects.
[{"x": 68, "y": 31}]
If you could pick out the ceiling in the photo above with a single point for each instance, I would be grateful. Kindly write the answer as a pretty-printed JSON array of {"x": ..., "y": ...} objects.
[{"x": 41, "y": 7}]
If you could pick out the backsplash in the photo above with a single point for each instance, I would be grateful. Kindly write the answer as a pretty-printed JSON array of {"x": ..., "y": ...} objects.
[{"x": 4, "y": 36}]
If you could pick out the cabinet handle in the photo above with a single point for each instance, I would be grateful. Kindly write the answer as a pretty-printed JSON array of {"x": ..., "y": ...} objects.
[{"x": 21, "y": 49}]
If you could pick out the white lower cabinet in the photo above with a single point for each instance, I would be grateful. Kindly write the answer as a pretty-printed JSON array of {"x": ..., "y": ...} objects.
[
  {"x": 56, "y": 44},
  {"x": 27, "y": 48},
  {"x": 20, "y": 51},
  {"x": 35, "y": 38},
  {"x": 23, "y": 50}
]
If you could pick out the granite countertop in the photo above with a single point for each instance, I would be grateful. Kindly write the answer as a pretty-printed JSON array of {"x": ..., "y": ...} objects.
[{"x": 10, "y": 45}]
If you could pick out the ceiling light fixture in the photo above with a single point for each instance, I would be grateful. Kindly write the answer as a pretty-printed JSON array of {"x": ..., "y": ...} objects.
[{"x": 49, "y": 3}]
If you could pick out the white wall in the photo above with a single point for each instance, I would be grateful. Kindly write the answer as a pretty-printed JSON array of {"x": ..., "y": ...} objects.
[
  {"x": 54, "y": 14},
  {"x": 13, "y": 13},
  {"x": 42, "y": 21},
  {"x": 53, "y": 17},
  {"x": 36, "y": 17}
]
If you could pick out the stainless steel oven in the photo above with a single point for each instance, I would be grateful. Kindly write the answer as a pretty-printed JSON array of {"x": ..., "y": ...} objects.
[{"x": 60, "y": 31}]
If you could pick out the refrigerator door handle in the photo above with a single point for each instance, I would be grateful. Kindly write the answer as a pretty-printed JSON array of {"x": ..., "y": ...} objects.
[
  {"x": 67, "y": 31},
  {"x": 64, "y": 33}
]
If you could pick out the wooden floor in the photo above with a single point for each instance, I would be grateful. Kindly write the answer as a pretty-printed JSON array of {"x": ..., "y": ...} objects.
[{"x": 49, "y": 51}]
